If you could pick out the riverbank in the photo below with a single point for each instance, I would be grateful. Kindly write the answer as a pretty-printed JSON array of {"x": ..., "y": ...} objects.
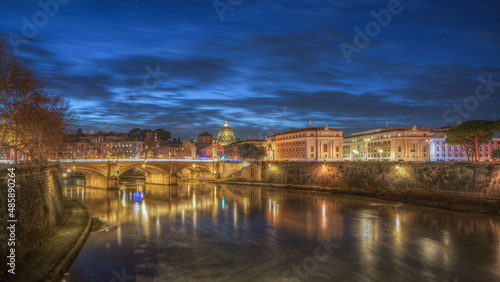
[
  {"x": 452, "y": 202},
  {"x": 49, "y": 261}
]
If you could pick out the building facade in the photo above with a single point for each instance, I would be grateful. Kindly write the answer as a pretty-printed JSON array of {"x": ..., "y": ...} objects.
[
  {"x": 204, "y": 140},
  {"x": 442, "y": 151},
  {"x": 306, "y": 144},
  {"x": 209, "y": 152},
  {"x": 100, "y": 148},
  {"x": 388, "y": 144}
]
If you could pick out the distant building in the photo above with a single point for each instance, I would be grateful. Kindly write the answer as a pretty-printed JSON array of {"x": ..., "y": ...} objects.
[
  {"x": 442, "y": 151},
  {"x": 204, "y": 140},
  {"x": 306, "y": 144},
  {"x": 101, "y": 146},
  {"x": 226, "y": 135},
  {"x": 183, "y": 150},
  {"x": 388, "y": 144},
  {"x": 208, "y": 152}
]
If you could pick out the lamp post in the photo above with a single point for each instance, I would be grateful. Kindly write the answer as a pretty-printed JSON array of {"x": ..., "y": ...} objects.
[
  {"x": 356, "y": 153},
  {"x": 380, "y": 151}
]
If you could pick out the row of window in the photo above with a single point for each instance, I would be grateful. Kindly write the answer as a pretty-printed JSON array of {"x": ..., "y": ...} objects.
[
  {"x": 462, "y": 149},
  {"x": 457, "y": 155},
  {"x": 300, "y": 135},
  {"x": 295, "y": 156}
]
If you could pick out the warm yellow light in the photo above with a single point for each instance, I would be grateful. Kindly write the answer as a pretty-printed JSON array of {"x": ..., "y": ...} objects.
[
  {"x": 64, "y": 175},
  {"x": 143, "y": 165},
  {"x": 215, "y": 171},
  {"x": 269, "y": 165},
  {"x": 69, "y": 170},
  {"x": 73, "y": 167},
  {"x": 397, "y": 167},
  {"x": 323, "y": 165},
  {"x": 194, "y": 165}
]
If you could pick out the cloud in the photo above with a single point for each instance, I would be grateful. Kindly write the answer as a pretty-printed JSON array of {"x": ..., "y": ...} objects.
[{"x": 269, "y": 66}]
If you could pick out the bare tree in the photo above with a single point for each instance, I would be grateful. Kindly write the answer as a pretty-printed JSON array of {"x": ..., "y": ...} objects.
[{"x": 33, "y": 121}]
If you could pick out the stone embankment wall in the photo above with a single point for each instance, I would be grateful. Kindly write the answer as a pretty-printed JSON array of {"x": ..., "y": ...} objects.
[
  {"x": 39, "y": 209},
  {"x": 464, "y": 178}
]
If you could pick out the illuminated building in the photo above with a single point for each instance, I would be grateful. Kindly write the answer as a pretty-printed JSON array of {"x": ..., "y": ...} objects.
[
  {"x": 388, "y": 144},
  {"x": 207, "y": 152},
  {"x": 441, "y": 151},
  {"x": 306, "y": 144}
]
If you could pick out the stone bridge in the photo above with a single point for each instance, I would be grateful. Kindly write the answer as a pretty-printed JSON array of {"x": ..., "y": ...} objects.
[{"x": 106, "y": 173}]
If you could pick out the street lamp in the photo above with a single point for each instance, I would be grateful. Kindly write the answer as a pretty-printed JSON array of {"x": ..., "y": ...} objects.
[
  {"x": 380, "y": 151},
  {"x": 355, "y": 152}
]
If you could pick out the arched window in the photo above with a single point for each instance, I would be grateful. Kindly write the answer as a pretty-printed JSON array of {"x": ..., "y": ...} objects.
[{"x": 325, "y": 148}]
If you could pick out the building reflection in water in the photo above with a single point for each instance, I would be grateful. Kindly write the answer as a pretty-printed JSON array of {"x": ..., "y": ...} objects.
[{"x": 373, "y": 234}]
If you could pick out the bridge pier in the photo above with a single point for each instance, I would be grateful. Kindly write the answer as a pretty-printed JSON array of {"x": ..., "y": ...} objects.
[
  {"x": 101, "y": 182},
  {"x": 163, "y": 179}
]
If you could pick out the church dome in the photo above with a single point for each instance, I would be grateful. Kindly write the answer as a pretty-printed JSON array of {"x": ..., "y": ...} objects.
[{"x": 226, "y": 135}]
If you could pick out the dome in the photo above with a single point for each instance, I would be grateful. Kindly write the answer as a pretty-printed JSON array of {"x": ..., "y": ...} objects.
[{"x": 226, "y": 135}]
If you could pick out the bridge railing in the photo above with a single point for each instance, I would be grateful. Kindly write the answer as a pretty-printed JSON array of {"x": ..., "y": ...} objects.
[{"x": 133, "y": 160}]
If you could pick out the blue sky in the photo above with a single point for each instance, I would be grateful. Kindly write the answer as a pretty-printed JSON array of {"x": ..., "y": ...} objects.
[{"x": 268, "y": 66}]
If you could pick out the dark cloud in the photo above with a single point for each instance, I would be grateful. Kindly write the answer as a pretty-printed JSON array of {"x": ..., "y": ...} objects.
[{"x": 269, "y": 66}]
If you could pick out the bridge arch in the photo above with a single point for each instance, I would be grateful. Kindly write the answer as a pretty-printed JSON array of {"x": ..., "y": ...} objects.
[
  {"x": 85, "y": 170},
  {"x": 198, "y": 171},
  {"x": 145, "y": 167}
]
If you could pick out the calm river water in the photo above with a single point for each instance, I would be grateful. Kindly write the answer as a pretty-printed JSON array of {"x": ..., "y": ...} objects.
[{"x": 207, "y": 232}]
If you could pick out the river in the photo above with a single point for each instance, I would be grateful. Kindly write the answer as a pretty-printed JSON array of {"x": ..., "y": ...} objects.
[{"x": 207, "y": 232}]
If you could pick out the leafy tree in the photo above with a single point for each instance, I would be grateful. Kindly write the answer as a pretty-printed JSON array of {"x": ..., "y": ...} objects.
[
  {"x": 33, "y": 121},
  {"x": 79, "y": 133},
  {"x": 134, "y": 133},
  {"x": 250, "y": 151},
  {"x": 142, "y": 135},
  {"x": 496, "y": 154},
  {"x": 471, "y": 134},
  {"x": 162, "y": 134}
]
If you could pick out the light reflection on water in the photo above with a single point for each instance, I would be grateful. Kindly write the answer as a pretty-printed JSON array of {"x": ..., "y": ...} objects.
[{"x": 231, "y": 233}]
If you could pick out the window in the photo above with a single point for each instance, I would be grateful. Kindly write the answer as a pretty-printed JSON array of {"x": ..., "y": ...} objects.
[
  {"x": 413, "y": 147},
  {"x": 399, "y": 150},
  {"x": 325, "y": 148},
  {"x": 338, "y": 149},
  {"x": 312, "y": 149}
]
